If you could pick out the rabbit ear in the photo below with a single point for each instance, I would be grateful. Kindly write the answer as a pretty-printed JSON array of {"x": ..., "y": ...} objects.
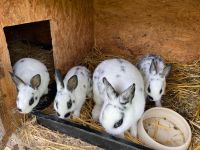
[
  {"x": 128, "y": 95},
  {"x": 72, "y": 83},
  {"x": 35, "y": 81},
  {"x": 111, "y": 93},
  {"x": 166, "y": 70},
  {"x": 156, "y": 65},
  {"x": 153, "y": 67},
  {"x": 59, "y": 80},
  {"x": 17, "y": 80}
]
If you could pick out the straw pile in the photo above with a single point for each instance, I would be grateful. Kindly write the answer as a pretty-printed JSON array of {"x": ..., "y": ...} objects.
[
  {"x": 37, "y": 137},
  {"x": 182, "y": 95}
]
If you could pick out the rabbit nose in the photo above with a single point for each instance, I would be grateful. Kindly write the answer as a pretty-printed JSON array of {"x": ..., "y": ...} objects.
[
  {"x": 20, "y": 110},
  {"x": 67, "y": 114},
  {"x": 150, "y": 98}
]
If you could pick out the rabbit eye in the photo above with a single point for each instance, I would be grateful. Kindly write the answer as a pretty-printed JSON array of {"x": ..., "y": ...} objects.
[
  {"x": 69, "y": 104},
  {"x": 149, "y": 90},
  {"x": 119, "y": 123},
  {"x": 160, "y": 91},
  {"x": 31, "y": 101}
]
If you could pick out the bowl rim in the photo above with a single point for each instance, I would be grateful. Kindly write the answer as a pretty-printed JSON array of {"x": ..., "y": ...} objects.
[{"x": 187, "y": 141}]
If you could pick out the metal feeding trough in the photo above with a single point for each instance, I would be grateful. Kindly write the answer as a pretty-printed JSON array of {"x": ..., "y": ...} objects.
[{"x": 84, "y": 133}]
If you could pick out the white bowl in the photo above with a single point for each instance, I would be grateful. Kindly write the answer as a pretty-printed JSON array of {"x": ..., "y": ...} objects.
[{"x": 180, "y": 124}]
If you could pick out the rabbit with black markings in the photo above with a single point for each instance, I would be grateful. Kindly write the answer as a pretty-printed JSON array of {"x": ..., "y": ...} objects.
[
  {"x": 118, "y": 90},
  {"x": 72, "y": 91},
  {"x": 31, "y": 78},
  {"x": 154, "y": 71}
]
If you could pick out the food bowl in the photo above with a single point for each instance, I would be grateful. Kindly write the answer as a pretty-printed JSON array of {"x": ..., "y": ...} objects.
[{"x": 164, "y": 129}]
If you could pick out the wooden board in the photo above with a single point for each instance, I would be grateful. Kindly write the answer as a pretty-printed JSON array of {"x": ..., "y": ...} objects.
[{"x": 71, "y": 23}]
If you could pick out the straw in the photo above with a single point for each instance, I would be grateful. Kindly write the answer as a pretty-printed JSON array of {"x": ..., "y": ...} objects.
[{"x": 182, "y": 95}]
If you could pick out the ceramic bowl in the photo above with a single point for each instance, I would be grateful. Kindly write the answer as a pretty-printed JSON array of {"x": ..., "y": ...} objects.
[{"x": 164, "y": 129}]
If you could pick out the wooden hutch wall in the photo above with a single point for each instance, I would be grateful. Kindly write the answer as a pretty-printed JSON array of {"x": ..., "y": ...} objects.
[
  {"x": 137, "y": 27},
  {"x": 71, "y": 24}
]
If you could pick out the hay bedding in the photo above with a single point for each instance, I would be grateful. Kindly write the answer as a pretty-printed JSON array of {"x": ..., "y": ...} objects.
[
  {"x": 182, "y": 95},
  {"x": 36, "y": 137}
]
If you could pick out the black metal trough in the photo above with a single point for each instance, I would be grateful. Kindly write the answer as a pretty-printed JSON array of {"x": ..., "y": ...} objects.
[{"x": 85, "y": 133}]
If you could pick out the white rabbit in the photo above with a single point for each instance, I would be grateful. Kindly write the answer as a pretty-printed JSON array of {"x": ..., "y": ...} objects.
[
  {"x": 72, "y": 91},
  {"x": 32, "y": 79},
  {"x": 154, "y": 72},
  {"x": 118, "y": 90}
]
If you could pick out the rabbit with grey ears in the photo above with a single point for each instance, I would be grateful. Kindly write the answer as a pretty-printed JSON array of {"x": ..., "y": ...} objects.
[
  {"x": 154, "y": 71},
  {"x": 32, "y": 79},
  {"x": 72, "y": 91},
  {"x": 118, "y": 90}
]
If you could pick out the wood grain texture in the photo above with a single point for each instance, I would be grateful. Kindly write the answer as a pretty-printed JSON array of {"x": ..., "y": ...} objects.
[
  {"x": 170, "y": 28},
  {"x": 71, "y": 23}
]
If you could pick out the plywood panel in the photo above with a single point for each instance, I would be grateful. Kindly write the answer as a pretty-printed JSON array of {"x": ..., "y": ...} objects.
[
  {"x": 168, "y": 27},
  {"x": 71, "y": 23}
]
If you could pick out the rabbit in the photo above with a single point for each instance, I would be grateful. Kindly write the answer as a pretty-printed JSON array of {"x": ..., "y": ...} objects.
[
  {"x": 154, "y": 71},
  {"x": 32, "y": 79},
  {"x": 118, "y": 91},
  {"x": 72, "y": 91}
]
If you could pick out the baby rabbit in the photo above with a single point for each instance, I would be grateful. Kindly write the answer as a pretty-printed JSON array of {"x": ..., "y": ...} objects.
[
  {"x": 118, "y": 90},
  {"x": 154, "y": 72},
  {"x": 72, "y": 91},
  {"x": 31, "y": 78}
]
